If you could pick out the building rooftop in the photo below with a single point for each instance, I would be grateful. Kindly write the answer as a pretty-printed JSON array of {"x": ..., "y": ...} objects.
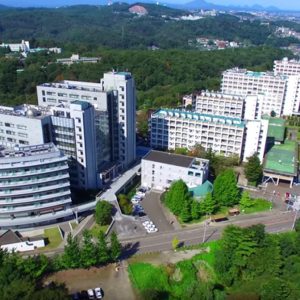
[
  {"x": 200, "y": 117},
  {"x": 276, "y": 128},
  {"x": 282, "y": 159},
  {"x": 254, "y": 74},
  {"x": 29, "y": 153},
  {"x": 9, "y": 237},
  {"x": 25, "y": 110},
  {"x": 75, "y": 85},
  {"x": 169, "y": 158},
  {"x": 202, "y": 189}
]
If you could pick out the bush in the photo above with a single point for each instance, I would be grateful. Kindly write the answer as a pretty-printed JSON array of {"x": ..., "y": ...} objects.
[
  {"x": 103, "y": 212},
  {"x": 125, "y": 204}
]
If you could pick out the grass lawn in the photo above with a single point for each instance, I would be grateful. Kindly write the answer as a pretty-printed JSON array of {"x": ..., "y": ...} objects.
[
  {"x": 146, "y": 276},
  {"x": 53, "y": 236},
  {"x": 259, "y": 205},
  {"x": 97, "y": 228}
]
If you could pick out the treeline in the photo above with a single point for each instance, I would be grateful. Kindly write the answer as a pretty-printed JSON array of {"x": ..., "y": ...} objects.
[
  {"x": 23, "y": 278},
  {"x": 115, "y": 27},
  {"x": 162, "y": 77},
  {"x": 251, "y": 264}
]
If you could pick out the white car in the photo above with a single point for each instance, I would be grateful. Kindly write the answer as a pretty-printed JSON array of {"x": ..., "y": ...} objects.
[
  {"x": 91, "y": 294},
  {"x": 135, "y": 201},
  {"x": 98, "y": 293},
  {"x": 147, "y": 223},
  {"x": 150, "y": 226},
  {"x": 140, "y": 194},
  {"x": 152, "y": 230}
]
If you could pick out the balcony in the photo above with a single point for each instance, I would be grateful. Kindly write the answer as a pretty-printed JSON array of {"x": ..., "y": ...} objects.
[
  {"x": 34, "y": 207},
  {"x": 32, "y": 171},
  {"x": 34, "y": 198},
  {"x": 33, "y": 190},
  {"x": 32, "y": 181}
]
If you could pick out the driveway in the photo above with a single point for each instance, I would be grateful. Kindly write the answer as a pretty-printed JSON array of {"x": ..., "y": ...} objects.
[{"x": 153, "y": 208}]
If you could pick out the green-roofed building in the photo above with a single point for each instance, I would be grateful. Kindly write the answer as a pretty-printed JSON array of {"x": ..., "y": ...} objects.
[
  {"x": 276, "y": 129},
  {"x": 281, "y": 162},
  {"x": 201, "y": 190}
]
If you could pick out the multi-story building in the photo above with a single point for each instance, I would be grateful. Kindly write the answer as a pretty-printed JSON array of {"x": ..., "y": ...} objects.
[
  {"x": 70, "y": 129},
  {"x": 24, "y": 46},
  {"x": 160, "y": 169},
  {"x": 277, "y": 93},
  {"x": 286, "y": 67},
  {"x": 216, "y": 103},
  {"x": 242, "y": 82},
  {"x": 76, "y": 58},
  {"x": 114, "y": 101},
  {"x": 34, "y": 184},
  {"x": 171, "y": 129}
]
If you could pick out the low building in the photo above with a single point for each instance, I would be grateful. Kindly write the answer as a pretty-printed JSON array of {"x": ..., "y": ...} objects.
[
  {"x": 76, "y": 58},
  {"x": 160, "y": 169},
  {"x": 281, "y": 163},
  {"x": 15, "y": 242},
  {"x": 24, "y": 46}
]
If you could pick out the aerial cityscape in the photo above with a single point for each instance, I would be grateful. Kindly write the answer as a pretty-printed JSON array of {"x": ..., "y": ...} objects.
[{"x": 149, "y": 150}]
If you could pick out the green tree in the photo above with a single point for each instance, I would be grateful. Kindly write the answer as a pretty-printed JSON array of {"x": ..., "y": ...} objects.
[
  {"x": 246, "y": 201},
  {"x": 208, "y": 204},
  {"x": 175, "y": 243},
  {"x": 182, "y": 151},
  {"x": 88, "y": 251},
  {"x": 177, "y": 196},
  {"x": 253, "y": 170},
  {"x": 115, "y": 247},
  {"x": 225, "y": 190},
  {"x": 195, "y": 210},
  {"x": 102, "y": 249},
  {"x": 185, "y": 213},
  {"x": 103, "y": 212},
  {"x": 71, "y": 256},
  {"x": 275, "y": 289}
]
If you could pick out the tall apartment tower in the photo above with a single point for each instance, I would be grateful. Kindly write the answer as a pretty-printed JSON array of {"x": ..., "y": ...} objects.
[
  {"x": 242, "y": 82},
  {"x": 124, "y": 126}
]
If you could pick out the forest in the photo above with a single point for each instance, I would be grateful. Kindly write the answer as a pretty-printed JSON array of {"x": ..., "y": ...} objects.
[
  {"x": 162, "y": 77},
  {"x": 115, "y": 27}
]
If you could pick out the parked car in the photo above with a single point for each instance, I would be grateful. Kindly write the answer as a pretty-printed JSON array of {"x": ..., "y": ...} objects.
[
  {"x": 135, "y": 201},
  {"x": 152, "y": 230},
  {"x": 84, "y": 295},
  {"x": 76, "y": 296},
  {"x": 91, "y": 294},
  {"x": 98, "y": 293}
]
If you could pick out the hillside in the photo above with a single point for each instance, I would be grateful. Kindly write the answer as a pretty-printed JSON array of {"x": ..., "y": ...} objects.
[{"x": 115, "y": 27}]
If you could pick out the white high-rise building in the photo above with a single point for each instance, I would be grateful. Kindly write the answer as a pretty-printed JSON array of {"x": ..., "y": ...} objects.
[
  {"x": 286, "y": 67},
  {"x": 114, "y": 101},
  {"x": 242, "y": 82},
  {"x": 171, "y": 129},
  {"x": 277, "y": 93}
]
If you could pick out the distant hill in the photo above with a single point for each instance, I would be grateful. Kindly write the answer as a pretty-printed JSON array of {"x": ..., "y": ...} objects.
[
  {"x": 115, "y": 27},
  {"x": 196, "y": 4}
]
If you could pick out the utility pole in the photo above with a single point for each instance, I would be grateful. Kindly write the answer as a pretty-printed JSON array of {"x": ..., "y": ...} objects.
[{"x": 295, "y": 219}]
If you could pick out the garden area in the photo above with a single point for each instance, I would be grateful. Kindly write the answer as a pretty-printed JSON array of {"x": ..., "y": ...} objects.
[
  {"x": 53, "y": 238},
  {"x": 226, "y": 195},
  {"x": 246, "y": 263}
]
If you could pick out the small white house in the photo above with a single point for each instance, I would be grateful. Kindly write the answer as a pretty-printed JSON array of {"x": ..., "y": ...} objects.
[
  {"x": 13, "y": 241},
  {"x": 160, "y": 169}
]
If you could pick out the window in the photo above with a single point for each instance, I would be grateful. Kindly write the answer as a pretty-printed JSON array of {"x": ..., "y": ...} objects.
[
  {"x": 22, "y": 127},
  {"x": 190, "y": 173}
]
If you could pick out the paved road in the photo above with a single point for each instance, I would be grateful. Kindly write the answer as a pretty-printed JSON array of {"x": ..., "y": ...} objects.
[
  {"x": 274, "y": 222},
  {"x": 189, "y": 236}
]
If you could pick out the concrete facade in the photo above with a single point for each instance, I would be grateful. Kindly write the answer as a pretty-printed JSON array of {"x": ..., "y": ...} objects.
[{"x": 160, "y": 169}]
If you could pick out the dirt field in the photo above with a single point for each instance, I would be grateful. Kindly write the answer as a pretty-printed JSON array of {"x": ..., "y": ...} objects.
[{"x": 116, "y": 285}]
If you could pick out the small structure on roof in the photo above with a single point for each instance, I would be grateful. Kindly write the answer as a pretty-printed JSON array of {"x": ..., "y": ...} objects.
[
  {"x": 14, "y": 242},
  {"x": 201, "y": 190}
]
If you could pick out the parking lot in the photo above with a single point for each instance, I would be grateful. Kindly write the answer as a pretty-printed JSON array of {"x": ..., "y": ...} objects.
[{"x": 154, "y": 211}]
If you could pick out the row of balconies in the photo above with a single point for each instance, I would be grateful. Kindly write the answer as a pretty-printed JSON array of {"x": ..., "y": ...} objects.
[
  {"x": 42, "y": 170},
  {"x": 33, "y": 189},
  {"x": 35, "y": 197},
  {"x": 36, "y": 206},
  {"x": 32, "y": 181}
]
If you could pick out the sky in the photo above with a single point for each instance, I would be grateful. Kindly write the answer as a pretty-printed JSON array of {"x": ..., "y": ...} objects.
[{"x": 283, "y": 4}]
